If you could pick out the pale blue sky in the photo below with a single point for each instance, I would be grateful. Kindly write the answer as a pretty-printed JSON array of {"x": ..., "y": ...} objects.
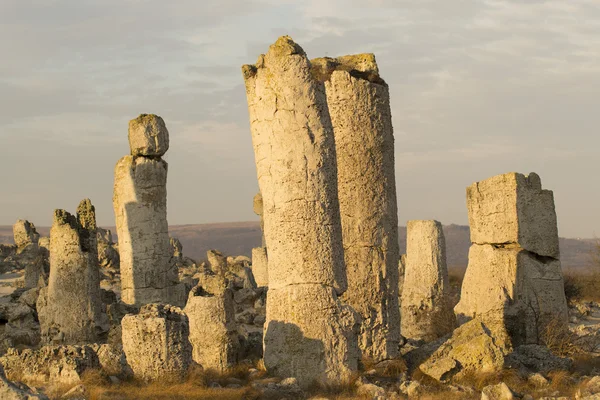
[{"x": 478, "y": 88}]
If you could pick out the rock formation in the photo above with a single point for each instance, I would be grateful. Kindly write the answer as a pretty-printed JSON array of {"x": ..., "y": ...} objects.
[
  {"x": 426, "y": 311},
  {"x": 140, "y": 204},
  {"x": 156, "y": 343},
  {"x": 24, "y": 233},
  {"x": 259, "y": 254},
  {"x": 29, "y": 254},
  {"x": 473, "y": 347},
  {"x": 213, "y": 335},
  {"x": 260, "y": 266},
  {"x": 514, "y": 272},
  {"x": 309, "y": 334},
  {"x": 359, "y": 106},
  {"x": 70, "y": 308}
]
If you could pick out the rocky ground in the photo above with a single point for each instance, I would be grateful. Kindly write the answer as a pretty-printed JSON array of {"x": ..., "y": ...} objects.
[{"x": 570, "y": 369}]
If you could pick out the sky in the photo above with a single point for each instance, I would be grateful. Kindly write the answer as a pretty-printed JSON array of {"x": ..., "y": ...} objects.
[{"x": 478, "y": 88}]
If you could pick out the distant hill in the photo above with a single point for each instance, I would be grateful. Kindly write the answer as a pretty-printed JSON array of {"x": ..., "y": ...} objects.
[{"x": 238, "y": 238}]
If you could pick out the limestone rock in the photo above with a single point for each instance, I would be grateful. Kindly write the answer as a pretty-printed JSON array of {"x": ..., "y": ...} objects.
[
  {"x": 148, "y": 136},
  {"x": 213, "y": 332},
  {"x": 24, "y": 233},
  {"x": 527, "y": 291},
  {"x": 306, "y": 344},
  {"x": 140, "y": 204},
  {"x": 56, "y": 364},
  {"x": 74, "y": 282},
  {"x": 476, "y": 346},
  {"x": 156, "y": 343},
  {"x": 309, "y": 335},
  {"x": 260, "y": 266},
  {"x": 536, "y": 358},
  {"x": 497, "y": 392},
  {"x": 362, "y": 125},
  {"x": 426, "y": 311},
  {"x": 296, "y": 167},
  {"x": 108, "y": 256},
  {"x": 19, "y": 327},
  {"x": 216, "y": 260},
  {"x": 513, "y": 208},
  {"x": 16, "y": 391}
]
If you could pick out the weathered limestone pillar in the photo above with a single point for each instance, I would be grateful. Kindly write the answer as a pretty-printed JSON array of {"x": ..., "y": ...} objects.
[
  {"x": 426, "y": 311},
  {"x": 156, "y": 343},
  {"x": 213, "y": 335},
  {"x": 140, "y": 204},
  {"x": 514, "y": 272},
  {"x": 359, "y": 105},
  {"x": 31, "y": 256},
  {"x": 70, "y": 307},
  {"x": 259, "y": 254},
  {"x": 309, "y": 334},
  {"x": 24, "y": 233}
]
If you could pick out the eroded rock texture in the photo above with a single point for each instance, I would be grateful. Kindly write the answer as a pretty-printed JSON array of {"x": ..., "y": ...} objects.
[
  {"x": 156, "y": 342},
  {"x": 306, "y": 333},
  {"x": 70, "y": 307},
  {"x": 148, "y": 136},
  {"x": 213, "y": 332},
  {"x": 140, "y": 204},
  {"x": 514, "y": 272},
  {"x": 359, "y": 106},
  {"x": 426, "y": 310},
  {"x": 29, "y": 254},
  {"x": 260, "y": 266}
]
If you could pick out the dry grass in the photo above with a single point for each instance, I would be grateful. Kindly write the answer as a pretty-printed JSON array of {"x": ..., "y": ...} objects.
[{"x": 559, "y": 339}]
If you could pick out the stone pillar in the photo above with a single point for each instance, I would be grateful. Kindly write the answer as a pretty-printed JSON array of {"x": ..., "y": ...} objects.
[
  {"x": 426, "y": 310},
  {"x": 309, "y": 334},
  {"x": 359, "y": 105},
  {"x": 70, "y": 307},
  {"x": 156, "y": 343},
  {"x": 259, "y": 254},
  {"x": 31, "y": 256},
  {"x": 514, "y": 272},
  {"x": 24, "y": 233},
  {"x": 260, "y": 266},
  {"x": 213, "y": 334},
  {"x": 140, "y": 204}
]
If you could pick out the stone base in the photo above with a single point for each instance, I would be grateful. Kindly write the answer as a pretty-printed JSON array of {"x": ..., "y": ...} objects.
[{"x": 309, "y": 335}]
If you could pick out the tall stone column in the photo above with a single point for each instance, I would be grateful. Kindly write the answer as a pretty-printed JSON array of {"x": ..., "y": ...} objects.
[
  {"x": 140, "y": 204},
  {"x": 259, "y": 254},
  {"x": 514, "y": 273},
  {"x": 359, "y": 105},
  {"x": 33, "y": 257},
  {"x": 426, "y": 311},
  {"x": 309, "y": 334},
  {"x": 70, "y": 307}
]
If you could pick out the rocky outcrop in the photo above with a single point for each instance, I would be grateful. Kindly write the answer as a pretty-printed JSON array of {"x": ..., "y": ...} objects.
[
  {"x": 308, "y": 333},
  {"x": 17, "y": 391},
  {"x": 70, "y": 308},
  {"x": 514, "y": 274},
  {"x": 28, "y": 254},
  {"x": 426, "y": 310},
  {"x": 476, "y": 346},
  {"x": 359, "y": 106},
  {"x": 55, "y": 364},
  {"x": 140, "y": 204},
  {"x": 213, "y": 333},
  {"x": 260, "y": 266},
  {"x": 259, "y": 254},
  {"x": 24, "y": 233},
  {"x": 156, "y": 343}
]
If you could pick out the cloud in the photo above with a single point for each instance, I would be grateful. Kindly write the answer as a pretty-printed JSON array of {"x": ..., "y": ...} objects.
[{"x": 477, "y": 88}]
